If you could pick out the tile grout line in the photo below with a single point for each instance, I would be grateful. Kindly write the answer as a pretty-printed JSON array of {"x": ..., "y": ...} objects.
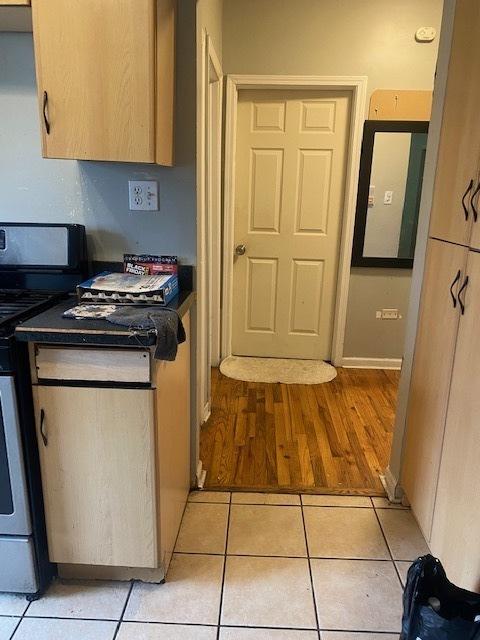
[
  {"x": 150, "y": 622},
  {"x": 16, "y": 626},
  {"x": 310, "y": 570},
  {"x": 83, "y": 618},
  {"x": 209, "y": 626},
  {"x": 389, "y": 549},
  {"x": 117, "y": 629},
  {"x": 301, "y": 503},
  {"x": 224, "y": 569},
  {"x": 260, "y": 555},
  {"x": 21, "y": 619}
]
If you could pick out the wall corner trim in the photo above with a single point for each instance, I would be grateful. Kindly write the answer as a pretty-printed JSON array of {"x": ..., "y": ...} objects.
[{"x": 391, "y": 484}]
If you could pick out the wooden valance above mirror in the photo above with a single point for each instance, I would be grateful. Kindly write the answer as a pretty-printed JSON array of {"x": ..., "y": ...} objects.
[{"x": 400, "y": 104}]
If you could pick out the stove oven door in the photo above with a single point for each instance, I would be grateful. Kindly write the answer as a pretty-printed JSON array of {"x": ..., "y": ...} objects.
[
  {"x": 18, "y": 572},
  {"x": 14, "y": 510}
]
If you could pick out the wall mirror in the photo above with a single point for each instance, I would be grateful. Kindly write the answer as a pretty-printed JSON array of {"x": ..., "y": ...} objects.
[{"x": 389, "y": 191}]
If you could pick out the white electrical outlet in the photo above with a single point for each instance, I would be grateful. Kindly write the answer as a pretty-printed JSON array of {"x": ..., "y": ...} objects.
[
  {"x": 388, "y": 197},
  {"x": 143, "y": 195},
  {"x": 390, "y": 314}
]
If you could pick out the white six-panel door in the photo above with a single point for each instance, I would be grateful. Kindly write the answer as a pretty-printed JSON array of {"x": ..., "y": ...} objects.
[{"x": 291, "y": 153}]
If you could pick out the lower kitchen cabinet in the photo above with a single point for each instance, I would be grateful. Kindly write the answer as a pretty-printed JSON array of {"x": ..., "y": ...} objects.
[
  {"x": 434, "y": 352},
  {"x": 97, "y": 453},
  {"x": 115, "y": 459},
  {"x": 456, "y": 525},
  {"x": 441, "y": 474}
]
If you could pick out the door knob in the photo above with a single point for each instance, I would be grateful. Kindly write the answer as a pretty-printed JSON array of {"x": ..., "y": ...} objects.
[{"x": 240, "y": 249}]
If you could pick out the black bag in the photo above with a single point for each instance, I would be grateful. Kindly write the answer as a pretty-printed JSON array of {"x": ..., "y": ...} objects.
[{"x": 434, "y": 608}]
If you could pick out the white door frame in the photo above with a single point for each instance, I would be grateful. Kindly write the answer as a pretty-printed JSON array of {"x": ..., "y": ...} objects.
[
  {"x": 357, "y": 85},
  {"x": 214, "y": 198},
  {"x": 209, "y": 174}
]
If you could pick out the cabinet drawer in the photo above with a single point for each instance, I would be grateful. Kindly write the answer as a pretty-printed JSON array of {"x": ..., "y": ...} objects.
[{"x": 102, "y": 365}]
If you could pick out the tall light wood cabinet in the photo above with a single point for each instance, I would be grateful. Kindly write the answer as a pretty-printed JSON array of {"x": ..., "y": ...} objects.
[
  {"x": 456, "y": 524},
  {"x": 457, "y": 182},
  {"x": 441, "y": 471},
  {"x": 105, "y": 77},
  {"x": 430, "y": 383}
]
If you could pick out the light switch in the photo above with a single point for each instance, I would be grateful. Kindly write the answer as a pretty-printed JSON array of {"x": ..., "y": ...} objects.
[
  {"x": 371, "y": 196},
  {"x": 388, "y": 197}
]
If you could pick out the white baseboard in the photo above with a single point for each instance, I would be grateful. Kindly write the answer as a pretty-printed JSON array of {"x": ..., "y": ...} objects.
[
  {"x": 206, "y": 412},
  {"x": 371, "y": 363},
  {"x": 391, "y": 486},
  {"x": 200, "y": 475}
]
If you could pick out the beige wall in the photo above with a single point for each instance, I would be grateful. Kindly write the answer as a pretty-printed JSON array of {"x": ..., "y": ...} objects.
[
  {"x": 342, "y": 37},
  {"x": 372, "y": 290},
  {"x": 210, "y": 18}
]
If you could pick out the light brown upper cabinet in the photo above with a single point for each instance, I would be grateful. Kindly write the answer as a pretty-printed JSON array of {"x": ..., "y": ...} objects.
[
  {"x": 105, "y": 77},
  {"x": 15, "y": 3},
  {"x": 455, "y": 203}
]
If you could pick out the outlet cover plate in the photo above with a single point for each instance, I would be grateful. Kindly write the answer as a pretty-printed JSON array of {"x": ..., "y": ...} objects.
[
  {"x": 390, "y": 314},
  {"x": 143, "y": 195}
]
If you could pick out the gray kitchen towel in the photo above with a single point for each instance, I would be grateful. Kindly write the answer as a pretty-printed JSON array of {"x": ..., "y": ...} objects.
[{"x": 166, "y": 322}]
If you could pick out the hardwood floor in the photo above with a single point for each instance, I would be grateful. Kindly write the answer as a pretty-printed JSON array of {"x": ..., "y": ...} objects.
[{"x": 327, "y": 438}]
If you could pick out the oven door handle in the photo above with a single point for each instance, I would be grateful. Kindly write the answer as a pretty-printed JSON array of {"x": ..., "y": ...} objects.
[{"x": 42, "y": 428}]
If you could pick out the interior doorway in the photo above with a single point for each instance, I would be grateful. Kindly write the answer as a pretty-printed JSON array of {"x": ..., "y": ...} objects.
[
  {"x": 296, "y": 251},
  {"x": 323, "y": 438}
]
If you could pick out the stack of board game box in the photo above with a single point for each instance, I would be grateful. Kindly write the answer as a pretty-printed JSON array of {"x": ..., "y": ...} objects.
[{"x": 146, "y": 279}]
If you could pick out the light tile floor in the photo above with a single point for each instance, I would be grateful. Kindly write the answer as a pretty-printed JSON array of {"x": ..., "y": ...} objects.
[{"x": 248, "y": 566}]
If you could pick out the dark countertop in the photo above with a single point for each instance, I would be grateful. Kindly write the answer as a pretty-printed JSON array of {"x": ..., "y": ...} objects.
[{"x": 51, "y": 327}]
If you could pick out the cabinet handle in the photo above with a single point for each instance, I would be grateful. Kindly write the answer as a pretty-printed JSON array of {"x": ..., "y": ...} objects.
[
  {"x": 469, "y": 188},
  {"x": 42, "y": 428},
  {"x": 460, "y": 301},
  {"x": 472, "y": 203},
  {"x": 455, "y": 280},
  {"x": 45, "y": 118}
]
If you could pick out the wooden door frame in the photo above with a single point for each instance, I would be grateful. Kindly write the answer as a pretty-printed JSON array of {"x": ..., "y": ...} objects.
[
  {"x": 214, "y": 172},
  {"x": 208, "y": 220},
  {"x": 357, "y": 85}
]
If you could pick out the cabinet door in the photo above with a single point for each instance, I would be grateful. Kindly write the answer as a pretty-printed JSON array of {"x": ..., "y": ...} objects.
[
  {"x": 97, "y": 458},
  {"x": 430, "y": 383},
  {"x": 459, "y": 148},
  {"x": 475, "y": 205},
  {"x": 96, "y": 78},
  {"x": 456, "y": 524}
]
